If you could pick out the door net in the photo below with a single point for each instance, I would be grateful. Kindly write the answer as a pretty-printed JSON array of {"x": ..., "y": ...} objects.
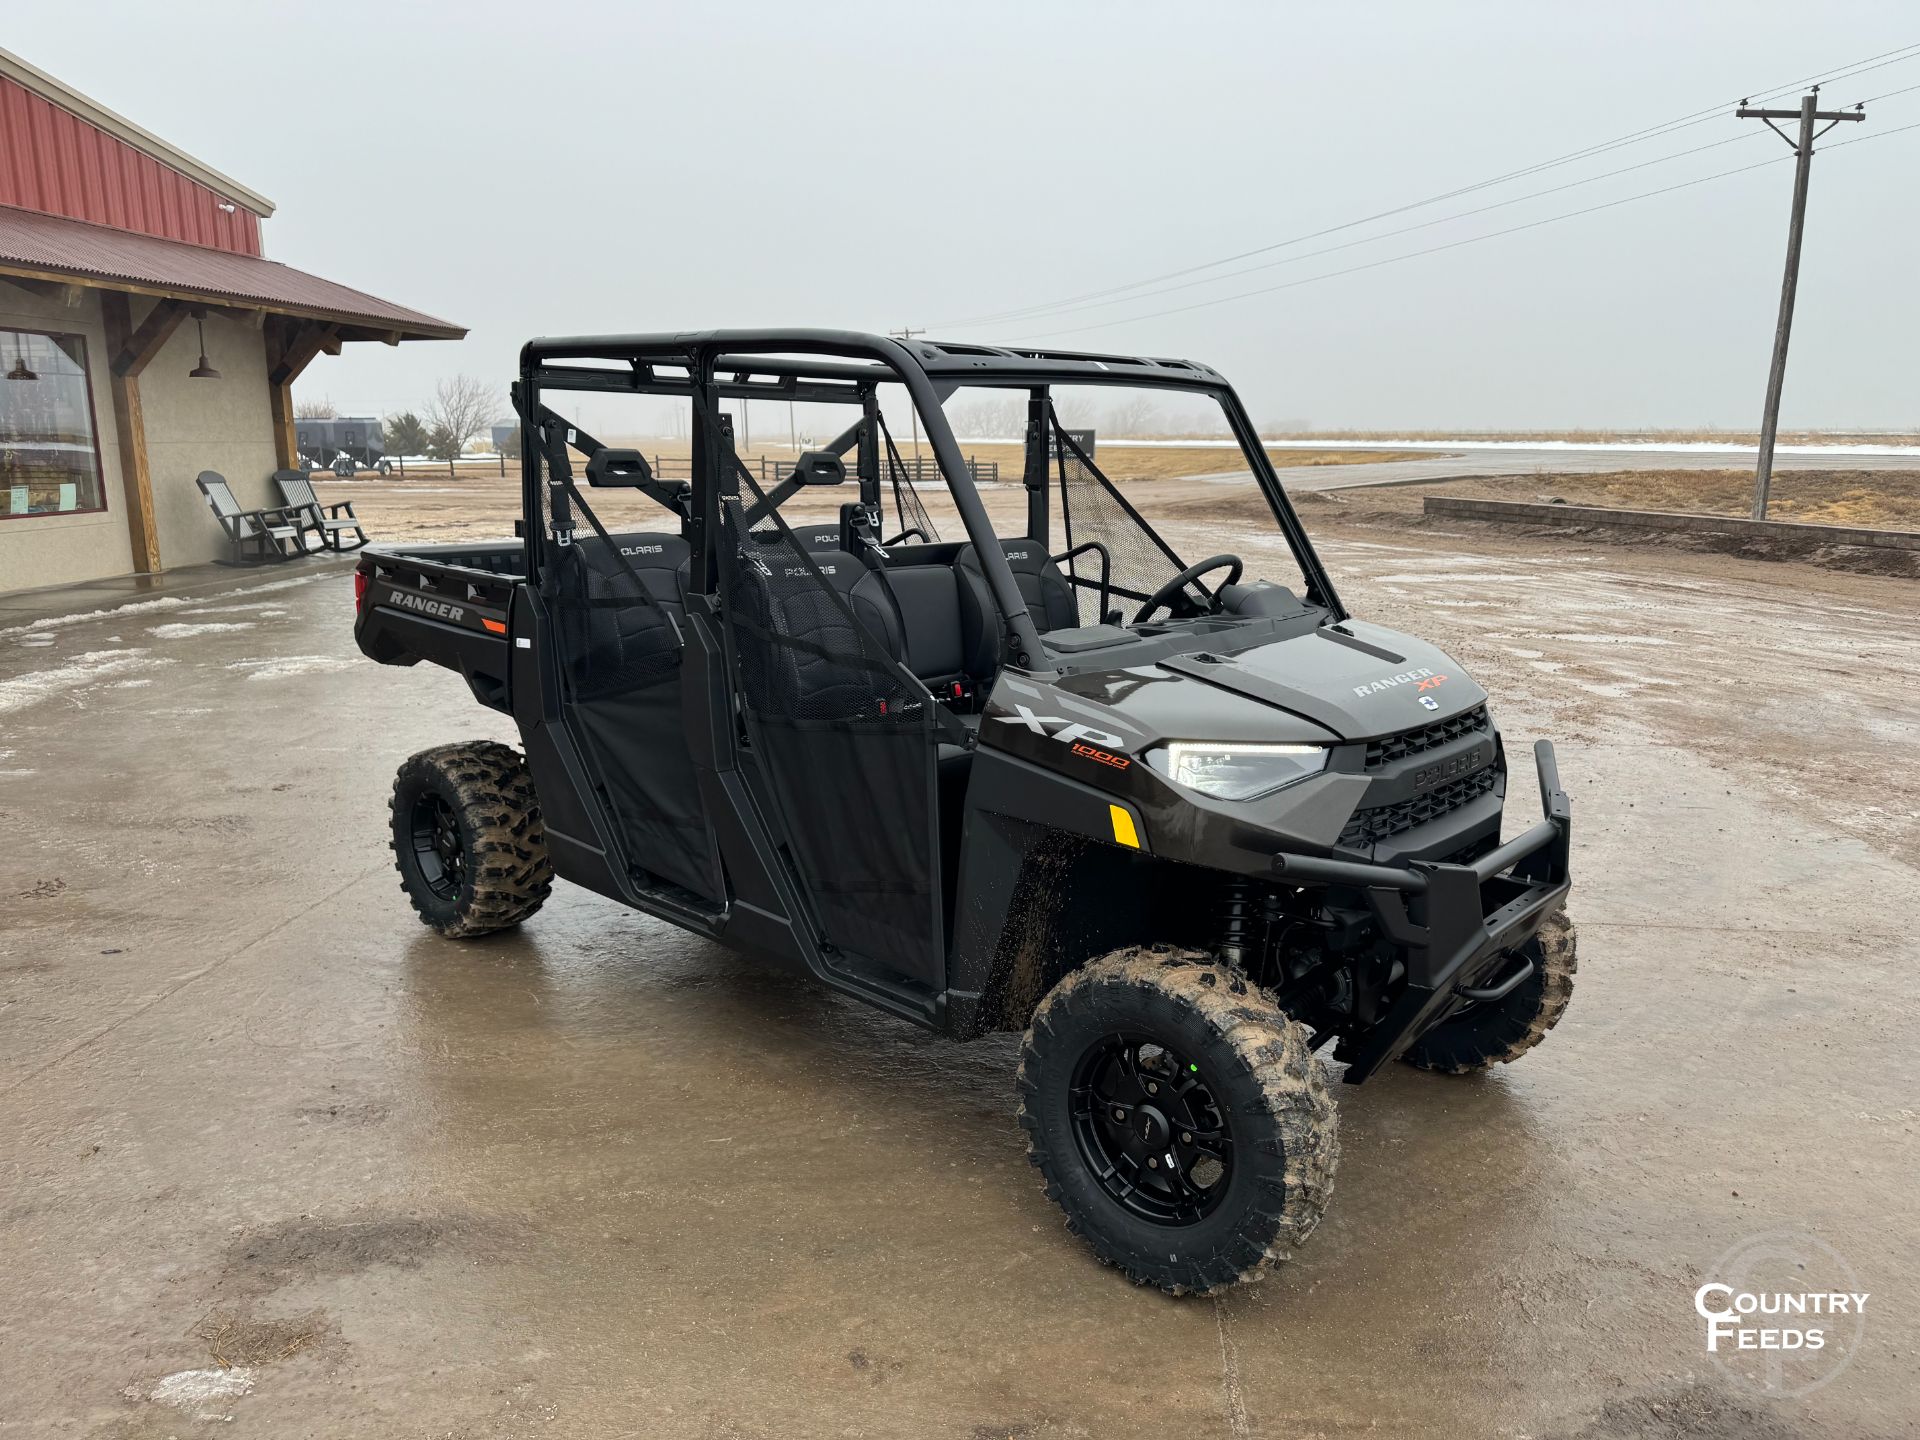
[
  {"x": 616, "y": 606},
  {"x": 1093, "y": 510},
  {"x": 846, "y": 733},
  {"x": 907, "y": 508}
]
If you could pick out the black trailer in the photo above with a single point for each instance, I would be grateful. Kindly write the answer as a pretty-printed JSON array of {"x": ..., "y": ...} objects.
[
  {"x": 344, "y": 444},
  {"x": 1186, "y": 836}
]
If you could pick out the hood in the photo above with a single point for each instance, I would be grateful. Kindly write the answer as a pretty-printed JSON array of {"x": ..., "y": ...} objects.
[
  {"x": 1343, "y": 682},
  {"x": 1357, "y": 680}
]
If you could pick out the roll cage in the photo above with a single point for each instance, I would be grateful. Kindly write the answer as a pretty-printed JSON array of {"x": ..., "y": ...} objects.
[{"x": 848, "y": 367}]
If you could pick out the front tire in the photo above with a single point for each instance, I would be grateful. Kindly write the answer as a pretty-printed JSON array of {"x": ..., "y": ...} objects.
[
  {"x": 1501, "y": 1032},
  {"x": 1178, "y": 1118},
  {"x": 467, "y": 838}
]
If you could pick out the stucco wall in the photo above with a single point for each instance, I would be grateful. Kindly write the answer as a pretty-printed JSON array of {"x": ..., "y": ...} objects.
[
  {"x": 57, "y": 549},
  {"x": 194, "y": 425}
]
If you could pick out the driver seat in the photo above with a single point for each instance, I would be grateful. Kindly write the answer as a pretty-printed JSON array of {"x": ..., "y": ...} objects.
[{"x": 1048, "y": 593}]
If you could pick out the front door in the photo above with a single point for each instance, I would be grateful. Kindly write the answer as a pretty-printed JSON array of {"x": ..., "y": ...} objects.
[{"x": 846, "y": 735}]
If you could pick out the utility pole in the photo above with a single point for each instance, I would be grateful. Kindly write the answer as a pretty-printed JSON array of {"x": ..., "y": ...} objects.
[
  {"x": 1808, "y": 115},
  {"x": 912, "y": 410}
]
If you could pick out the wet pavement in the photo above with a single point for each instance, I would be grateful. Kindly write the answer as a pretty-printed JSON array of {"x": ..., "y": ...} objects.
[{"x": 599, "y": 1178}]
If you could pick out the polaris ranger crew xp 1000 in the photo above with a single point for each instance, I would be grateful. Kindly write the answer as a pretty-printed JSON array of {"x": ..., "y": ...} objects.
[{"x": 976, "y": 743}]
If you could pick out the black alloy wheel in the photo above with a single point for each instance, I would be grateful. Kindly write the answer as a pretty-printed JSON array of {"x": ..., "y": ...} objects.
[
  {"x": 437, "y": 847},
  {"x": 1150, "y": 1130},
  {"x": 1178, "y": 1117},
  {"x": 468, "y": 839}
]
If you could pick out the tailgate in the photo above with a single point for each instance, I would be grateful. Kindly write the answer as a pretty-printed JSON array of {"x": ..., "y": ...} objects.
[{"x": 415, "y": 606}]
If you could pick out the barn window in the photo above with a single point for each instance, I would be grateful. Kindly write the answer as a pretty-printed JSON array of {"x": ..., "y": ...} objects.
[{"x": 49, "y": 449}]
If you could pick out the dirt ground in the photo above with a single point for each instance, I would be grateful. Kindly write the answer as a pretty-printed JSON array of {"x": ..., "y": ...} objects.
[{"x": 281, "y": 1163}]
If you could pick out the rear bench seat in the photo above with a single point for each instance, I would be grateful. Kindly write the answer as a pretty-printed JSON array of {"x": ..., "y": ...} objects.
[{"x": 624, "y": 643}]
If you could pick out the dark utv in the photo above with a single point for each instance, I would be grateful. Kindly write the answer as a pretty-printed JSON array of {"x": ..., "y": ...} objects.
[{"x": 1184, "y": 835}]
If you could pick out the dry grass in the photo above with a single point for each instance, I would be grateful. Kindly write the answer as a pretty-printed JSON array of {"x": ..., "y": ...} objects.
[
  {"x": 1876, "y": 499},
  {"x": 430, "y": 507},
  {"x": 1683, "y": 436},
  {"x": 1122, "y": 462}
]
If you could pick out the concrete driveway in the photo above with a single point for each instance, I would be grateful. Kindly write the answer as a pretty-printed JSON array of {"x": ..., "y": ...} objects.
[{"x": 279, "y": 1162}]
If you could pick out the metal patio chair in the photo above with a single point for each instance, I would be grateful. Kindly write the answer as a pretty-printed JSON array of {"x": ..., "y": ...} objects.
[
  {"x": 316, "y": 517},
  {"x": 253, "y": 536}
]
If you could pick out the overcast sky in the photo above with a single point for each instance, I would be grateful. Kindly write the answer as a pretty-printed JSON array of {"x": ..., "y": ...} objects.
[{"x": 570, "y": 167}]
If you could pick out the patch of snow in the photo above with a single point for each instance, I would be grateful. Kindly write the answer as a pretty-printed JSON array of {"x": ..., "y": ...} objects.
[
  {"x": 130, "y": 684},
  {"x": 81, "y": 670},
  {"x": 164, "y": 602},
  {"x": 1456, "y": 577},
  {"x": 202, "y": 1394},
  {"x": 55, "y": 622},
  {"x": 284, "y": 666},
  {"x": 1614, "y": 639},
  {"x": 179, "y": 630},
  {"x": 182, "y": 631}
]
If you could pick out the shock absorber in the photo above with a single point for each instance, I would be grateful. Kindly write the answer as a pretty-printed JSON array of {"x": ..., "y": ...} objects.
[{"x": 1240, "y": 915}]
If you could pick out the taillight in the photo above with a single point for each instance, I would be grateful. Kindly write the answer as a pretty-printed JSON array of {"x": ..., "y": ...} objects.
[{"x": 361, "y": 583}]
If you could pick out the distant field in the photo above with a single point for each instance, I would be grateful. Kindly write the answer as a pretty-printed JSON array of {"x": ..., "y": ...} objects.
[
  {"x": 1881, "y": 499},
  {"x": 1607, "y": 437},
  {"x": 1170, "y": 461},
  {"x": 477, "y": 500}
]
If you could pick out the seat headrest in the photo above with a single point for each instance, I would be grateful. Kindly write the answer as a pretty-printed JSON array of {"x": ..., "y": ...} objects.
[{"x": 820, "y": 467}]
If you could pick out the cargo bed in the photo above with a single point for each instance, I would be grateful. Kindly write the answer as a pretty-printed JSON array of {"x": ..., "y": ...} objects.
[{"x": 445, "y": 604}]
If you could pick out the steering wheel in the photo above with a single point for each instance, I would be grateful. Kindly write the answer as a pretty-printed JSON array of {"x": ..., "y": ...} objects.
[{"x": 1166, "y": 594}]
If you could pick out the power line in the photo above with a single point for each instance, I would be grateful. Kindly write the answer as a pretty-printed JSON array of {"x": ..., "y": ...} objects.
[
  {"x": 1410, "y": 229},
  {"x": 1871, "y": 62},
  {"x": 1413, "y": 254},
  {"x": 1457, "y": 244}
]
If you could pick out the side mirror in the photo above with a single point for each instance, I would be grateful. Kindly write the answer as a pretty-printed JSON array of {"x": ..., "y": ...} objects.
[{"x": 626, "y": 469}]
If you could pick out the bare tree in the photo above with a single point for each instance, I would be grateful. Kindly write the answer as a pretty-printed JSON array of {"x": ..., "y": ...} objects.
[
  {"x": 461, "y": 408},
  {"x": 989, "y": 419},
  {"x": 1133, "y": 415},
  {"x": 321, "y": 409},
  {"x": 1075, "y": 409}
]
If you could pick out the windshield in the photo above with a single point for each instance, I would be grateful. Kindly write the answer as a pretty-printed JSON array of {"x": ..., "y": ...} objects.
[{"x": 1139, "y": 483}]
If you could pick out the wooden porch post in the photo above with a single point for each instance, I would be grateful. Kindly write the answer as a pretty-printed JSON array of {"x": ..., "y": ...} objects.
[
  {"x": 130, "y": 350},
  {"x": 291, "y": 347}
]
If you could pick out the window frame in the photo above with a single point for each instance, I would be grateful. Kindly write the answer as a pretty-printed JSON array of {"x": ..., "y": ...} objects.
[{"x": 93, "y": 420}]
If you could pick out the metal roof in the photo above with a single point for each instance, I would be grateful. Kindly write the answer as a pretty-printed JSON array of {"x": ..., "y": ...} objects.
[
  {"x": 59, "y": 93},
  {"x": 53, "y": 247}
]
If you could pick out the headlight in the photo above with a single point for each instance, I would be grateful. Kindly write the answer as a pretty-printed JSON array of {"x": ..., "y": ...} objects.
[{"x": 1236, "y": 772}]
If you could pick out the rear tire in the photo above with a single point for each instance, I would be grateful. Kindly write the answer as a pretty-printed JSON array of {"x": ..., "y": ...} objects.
[
  {"x": 1201, "y": 1160},
  {"x": 467, "y": 838},
  {"x": 1501, "y": 1032}
]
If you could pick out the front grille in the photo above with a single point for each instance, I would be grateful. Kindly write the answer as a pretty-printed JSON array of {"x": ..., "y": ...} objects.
[
  {"x": 1412, "y": 742},
  {"x": 1370, "y": 827}
]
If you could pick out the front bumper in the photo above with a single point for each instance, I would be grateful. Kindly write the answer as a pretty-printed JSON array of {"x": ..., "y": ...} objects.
[{"x": 1457, "y": 924}]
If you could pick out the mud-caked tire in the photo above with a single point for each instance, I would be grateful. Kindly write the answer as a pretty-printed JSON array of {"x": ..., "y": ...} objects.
[
  {"x": 467, "y": 838},
  {"x": 1501, "y": 1031},
  {"x": 1154, "y": 1050}
]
